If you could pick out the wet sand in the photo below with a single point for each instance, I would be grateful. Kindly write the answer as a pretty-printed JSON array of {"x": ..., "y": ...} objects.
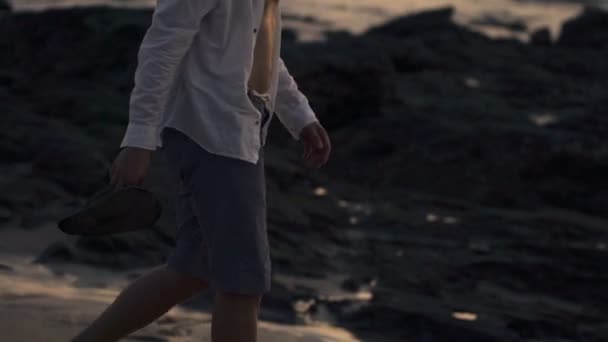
[
  {"x": 51, "y": 305},
  {"x": 312, "y": 17}
]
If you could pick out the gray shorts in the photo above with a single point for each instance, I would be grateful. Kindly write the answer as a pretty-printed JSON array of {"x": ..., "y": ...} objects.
[{"x": 220, "y": 216}]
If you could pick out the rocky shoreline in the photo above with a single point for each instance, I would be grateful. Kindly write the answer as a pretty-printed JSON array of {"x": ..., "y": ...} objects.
[{"x": 466, "y": 196}]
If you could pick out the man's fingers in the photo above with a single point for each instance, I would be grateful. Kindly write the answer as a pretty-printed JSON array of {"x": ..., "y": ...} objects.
[
  {"x": 316, "y": 146},
  {"x": 314, "y": 157},
  {"x": 326, "y": 143},
  {"x": 306, "y": 151},
  {"x": 318, "y": 140},
  {"x": 322, "y": 146},
  {"x": 325, "y": 137}
]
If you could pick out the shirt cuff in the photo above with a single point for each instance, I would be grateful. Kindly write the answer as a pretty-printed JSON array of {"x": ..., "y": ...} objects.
[
  {"x": 300, "y": 117},
  {"x": 140, "y": 135}
]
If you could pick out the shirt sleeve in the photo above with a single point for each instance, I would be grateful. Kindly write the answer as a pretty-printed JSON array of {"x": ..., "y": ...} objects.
[
  {"x": 291, "y": 106},
  {"x": 165, "y": 43}
]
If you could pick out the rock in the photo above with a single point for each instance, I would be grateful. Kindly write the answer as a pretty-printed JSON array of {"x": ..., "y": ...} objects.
[
  {"x": 481, "y": 247},
  {"x": 541, "y": 37},
  {"x": 6, "y": 268},
  {"x": 5, "y": 213},
  {"x": 359, "y": 283},
  {"x": 5, "y": 6},
  {"x": 138, "y": 249},
  {"x": 289, "y": 35},
  {"x": 326, "y": 65},
  {"x": 587, "y": 30},
  {"x": 62, "y": 157},
  {"x": 415, "y": 56},
  {"x": 277, "y": 305},
  {"x": 57, "y": 252},
  {"x": 121, "y": 252}
]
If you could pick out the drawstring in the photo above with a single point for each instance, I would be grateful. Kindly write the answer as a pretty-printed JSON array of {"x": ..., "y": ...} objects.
[
  {"x": 265, "y": 103},
  {"x": 263, "y": 97}
]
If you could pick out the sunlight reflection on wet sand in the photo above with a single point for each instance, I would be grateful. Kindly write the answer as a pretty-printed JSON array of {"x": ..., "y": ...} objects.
[{"x": 55, "y": 308}]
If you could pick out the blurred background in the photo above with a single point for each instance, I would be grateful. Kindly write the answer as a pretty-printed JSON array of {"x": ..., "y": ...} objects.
[{"x": 466, "y": 197}]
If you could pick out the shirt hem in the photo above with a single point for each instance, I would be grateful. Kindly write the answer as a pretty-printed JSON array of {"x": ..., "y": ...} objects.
[{"x": 211, "y": 150}]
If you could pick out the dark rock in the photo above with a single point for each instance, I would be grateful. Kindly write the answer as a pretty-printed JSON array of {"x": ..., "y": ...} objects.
[
  {"x": 541, "y": 37},
  {"x": 138, "y": 249},
  {"x": 5, "y": 213},
  {"x": 415, "y": 56},
  {"x": 587, "y": 30},
  {"x": 57, "y": 252},
  {"x": 277, "y": 305},
  {"x": 289, "y": 35},
  {"x": 338, "y": 35},
  {"x": 5, "y": 5},
  {"x": 357, "y": 284},
  {"x": 6, "y": 268},
  {"x": 59, "y": 158},
  {"x": 371, "y": 75},
  {"x": 120, "y": 252}
]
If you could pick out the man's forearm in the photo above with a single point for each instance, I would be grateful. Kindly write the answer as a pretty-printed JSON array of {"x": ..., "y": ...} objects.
[
  {"x": 166, "y": 42},
  {"x": 292, "y": 107}
]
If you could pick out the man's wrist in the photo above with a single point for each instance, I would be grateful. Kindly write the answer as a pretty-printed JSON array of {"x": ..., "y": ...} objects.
[
  {"x": 140, "y": 135},
  {"x": 304, "y": 124}
]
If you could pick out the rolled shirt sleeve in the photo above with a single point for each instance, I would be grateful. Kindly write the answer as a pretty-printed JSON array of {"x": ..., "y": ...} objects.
[
  {"x": 165, "y": 43},
  {"x": 291, "y": 106}
]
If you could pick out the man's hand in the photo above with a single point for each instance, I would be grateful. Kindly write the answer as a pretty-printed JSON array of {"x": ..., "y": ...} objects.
[
  {"x": 130, "y": 167},
  {"x": 316, "y": 144}
]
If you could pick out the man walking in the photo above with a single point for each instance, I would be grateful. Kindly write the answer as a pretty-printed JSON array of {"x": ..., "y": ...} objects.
[{"x": 208, "y": 82}]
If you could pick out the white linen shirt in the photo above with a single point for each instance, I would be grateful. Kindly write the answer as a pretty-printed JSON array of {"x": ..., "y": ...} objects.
[{"x": 192, "y": 74}]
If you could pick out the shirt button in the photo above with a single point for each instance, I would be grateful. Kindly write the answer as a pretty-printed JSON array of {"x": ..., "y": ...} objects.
[
  {"x": 257, "y": 122},
  {"x": 255, "y": 30}
]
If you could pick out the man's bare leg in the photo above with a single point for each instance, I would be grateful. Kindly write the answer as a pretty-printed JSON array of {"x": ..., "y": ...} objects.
[
  {"x": 235, "y": 317},
  {"x": 142, "y": 302}
]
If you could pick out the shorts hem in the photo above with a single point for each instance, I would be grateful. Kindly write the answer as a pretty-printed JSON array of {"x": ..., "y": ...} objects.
[{"x": 176, "y": 266}]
